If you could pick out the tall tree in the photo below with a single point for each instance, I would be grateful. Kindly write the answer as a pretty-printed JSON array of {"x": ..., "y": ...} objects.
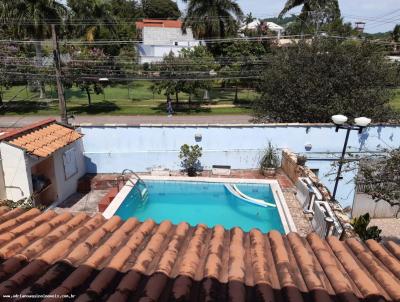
[
  {"x": 381, "y": 178},
  {"x": 213, "y": 18},
  {"x": 396, "y": 37},
  {"x": 87, "y": 68},
  {"x": 160, "y": 9},
  {"x": 316, "y": 11},
  {"x": 88, "y": 18},
  {"x": 31, "y": 19},
  {"x": 187, "y": 72},
  {"x": 311, "y": 81},
  {"x": 239, "y": 59},
  {"x": 396, "y": 33},
  {"x": 123, "y": 12},
  {"x": 249, "y": 18}
]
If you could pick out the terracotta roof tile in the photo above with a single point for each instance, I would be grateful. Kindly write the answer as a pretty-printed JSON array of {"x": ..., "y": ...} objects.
[
  {"x": 394, "y": 249},
  {"x": 21, "y": 242},
  {"x": 31, "y": 127},
  {"x": 158, "y": 23},
  {"x": 10, "y": 214},
  {"x": 3, "y": 210},
  {"x": 18, "y": 220},
  {"x": 5, "y": 237},
  {"x": 111, "y": 260},
  {"x": 43, "y": 139}
]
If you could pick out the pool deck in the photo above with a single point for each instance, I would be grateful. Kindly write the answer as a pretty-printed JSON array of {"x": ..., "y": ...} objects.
[
  {"x": 81, "y": 202},
  {"x": 390, "y": 228}
]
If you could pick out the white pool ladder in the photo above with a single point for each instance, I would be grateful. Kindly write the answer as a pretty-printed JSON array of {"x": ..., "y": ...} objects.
[
  {"x": 234, "y": 190},
  {"x": 144, "y": 193}
]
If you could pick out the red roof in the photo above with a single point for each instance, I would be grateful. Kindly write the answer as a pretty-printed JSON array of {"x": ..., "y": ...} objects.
[
  {"x": 158, "y": 23},
  {"x": 42, "y": 138},
  {"x": 4, "y": 131},
  {"x": 17, "y": 131},
  {"x": 96, "y": 259}
]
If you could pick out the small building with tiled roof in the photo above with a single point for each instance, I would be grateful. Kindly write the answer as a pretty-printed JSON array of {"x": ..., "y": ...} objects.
[
  {"x": 85, "y": 258},
  {"x": 162, "y": 37},
  {"x": 43, "y": 161}
]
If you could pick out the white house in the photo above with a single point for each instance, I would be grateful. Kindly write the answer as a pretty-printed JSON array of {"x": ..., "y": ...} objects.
[
  {"x": 43, "y": 161},
  {"x": 264, "y": 24},
  {"x": 160, "y": 37}
]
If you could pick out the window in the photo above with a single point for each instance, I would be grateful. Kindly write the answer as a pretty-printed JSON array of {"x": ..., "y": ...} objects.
[{"x": 70, "y": 165}]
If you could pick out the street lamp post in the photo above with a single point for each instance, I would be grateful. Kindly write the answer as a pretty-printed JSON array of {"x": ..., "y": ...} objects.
[{"x": 341, "y": 123}]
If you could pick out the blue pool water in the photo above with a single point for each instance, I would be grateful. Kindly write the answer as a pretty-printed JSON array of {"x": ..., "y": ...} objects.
[{"x": 203, "y": 202}]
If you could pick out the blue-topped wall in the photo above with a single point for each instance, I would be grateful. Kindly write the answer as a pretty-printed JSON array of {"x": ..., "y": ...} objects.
[{"x": 112, "y": 149}]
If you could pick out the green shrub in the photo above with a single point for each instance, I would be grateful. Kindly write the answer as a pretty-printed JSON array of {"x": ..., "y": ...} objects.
[
  {"x": 270, "y": 158},
  {"x": 360, "y": 225},
  {"x": 190, "y": 158}
]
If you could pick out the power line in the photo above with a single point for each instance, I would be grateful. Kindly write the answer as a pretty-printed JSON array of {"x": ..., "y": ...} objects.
[
  {"x": 120, "y": 79},
  {"x": 213, "y": 40},
  {"x": 126, "y": 42}
]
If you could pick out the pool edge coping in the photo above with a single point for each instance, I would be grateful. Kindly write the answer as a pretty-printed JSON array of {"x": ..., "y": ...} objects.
[{"x": 283, "y": 209}]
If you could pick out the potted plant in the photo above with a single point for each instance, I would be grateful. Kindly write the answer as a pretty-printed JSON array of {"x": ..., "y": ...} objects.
[
  {"x": 190, "y": 159},
  {"x": 269, "y": 161},
  {"x": 301, "y": 160}
]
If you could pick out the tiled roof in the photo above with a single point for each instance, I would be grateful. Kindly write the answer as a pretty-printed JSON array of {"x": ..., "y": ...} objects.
[
  {"x": 158, "y": 23},
  {"x": 4, "y": 131},
  {"x": 111, "y": 260},
  {"x": 43, "y": 138}
]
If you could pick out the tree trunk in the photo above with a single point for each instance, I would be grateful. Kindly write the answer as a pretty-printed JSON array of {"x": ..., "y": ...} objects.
[
  {"x": 89, "y": 97},
  {"x": 39, "y": 63},
  {"x": 190, "y": 100},
  {"x": 236, "y": 94},
  {"x": 177, "y": 97}
]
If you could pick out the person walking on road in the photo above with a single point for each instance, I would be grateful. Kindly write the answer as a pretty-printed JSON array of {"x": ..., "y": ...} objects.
[{"x": 170, "y": 110}]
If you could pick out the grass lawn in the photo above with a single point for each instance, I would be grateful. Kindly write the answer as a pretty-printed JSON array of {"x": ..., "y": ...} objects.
[
  {"x": 133, "y": 99},
  {"x": 136, "y": 98},
  {"x": 396, "y": 100}
]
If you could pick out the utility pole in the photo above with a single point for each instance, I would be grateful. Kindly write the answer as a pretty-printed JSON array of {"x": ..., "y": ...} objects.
[{"x": 60, "y": 88}]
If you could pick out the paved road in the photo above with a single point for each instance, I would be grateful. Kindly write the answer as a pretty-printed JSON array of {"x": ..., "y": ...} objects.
[{"x": 20, "y": 121}]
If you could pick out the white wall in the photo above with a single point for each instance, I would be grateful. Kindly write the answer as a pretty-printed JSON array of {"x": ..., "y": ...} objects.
[
  {"x": 165, "y": 36},
  {"x": 2, "y": 184},
  {"x": 363, "y": 203},
  {"x": 16, "y": 170},
  {"x": 112, "y": 149},
  {"x": 156, "y": 53},
  {"x": 66, "y": 187}
]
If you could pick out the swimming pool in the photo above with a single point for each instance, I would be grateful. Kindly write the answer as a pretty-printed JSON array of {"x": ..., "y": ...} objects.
[{"x": 204, "y": 202}]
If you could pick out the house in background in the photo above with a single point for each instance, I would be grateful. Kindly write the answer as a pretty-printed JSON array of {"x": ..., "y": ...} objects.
[
  {"x": 263, "y": 27},
  {"x": 43, "y": 161},
  {"x": 161, "y": 37}
]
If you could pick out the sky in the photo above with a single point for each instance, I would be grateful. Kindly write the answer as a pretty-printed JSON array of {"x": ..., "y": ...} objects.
[{"x": 379, "y": 15}]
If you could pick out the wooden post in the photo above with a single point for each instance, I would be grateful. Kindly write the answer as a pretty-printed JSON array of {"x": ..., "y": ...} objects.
[{"x": 60, "y": 88}]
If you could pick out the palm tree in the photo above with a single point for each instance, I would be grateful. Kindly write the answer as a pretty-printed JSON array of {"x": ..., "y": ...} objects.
[
  {"x": 249, "y": 18},
  {"x": 328, "y": 9},
  {"x": 91, "y": 16},
  {"x": 212, "y": 18},
  {"x": 31, "y": 19}
]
